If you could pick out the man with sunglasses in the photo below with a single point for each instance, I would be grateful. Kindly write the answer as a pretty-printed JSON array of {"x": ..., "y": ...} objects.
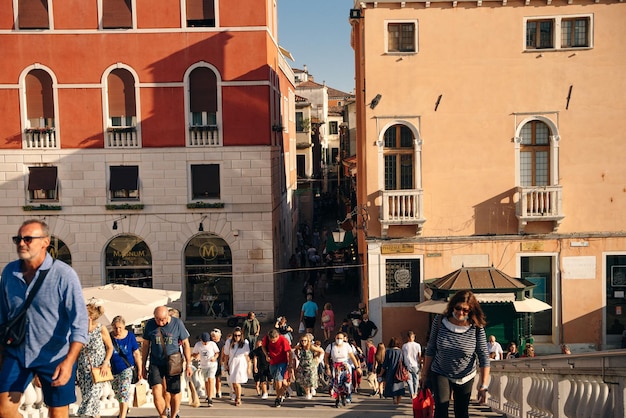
[{"x": 56, "y": 327}]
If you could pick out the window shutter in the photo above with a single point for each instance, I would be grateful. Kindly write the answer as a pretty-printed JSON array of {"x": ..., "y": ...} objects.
[
  {"x": 39, "y": 103},
  {"x": 42, "y": 178},
  {"x": 203, "y": 91},
  {"x": 117, "y": 14},
  {"x": 33, "y": 14},
  {"x": 206, "y": 181},
  {"x": 200, "y": 10},
  {"x": 124, "y": 178},
  {"x": 121, "y": 93}
]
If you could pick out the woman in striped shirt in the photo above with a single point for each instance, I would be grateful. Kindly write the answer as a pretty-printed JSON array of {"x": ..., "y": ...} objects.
[{"x": 457, "y": 339}]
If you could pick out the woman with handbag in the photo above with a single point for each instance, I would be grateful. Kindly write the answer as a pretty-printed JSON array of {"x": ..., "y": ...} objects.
[
  {"x": 394, "y": 388},
  {"x": 457, "y": 338},
  {"x": 236, "y": 357},
  {"x": 125, "y": 363},
  {"x": 94, "y": 363}
]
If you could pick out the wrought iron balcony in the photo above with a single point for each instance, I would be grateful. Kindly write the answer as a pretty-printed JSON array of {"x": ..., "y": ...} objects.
[
  {"x": 539, "y": 203},
  {"x": 401, "y": 207}
]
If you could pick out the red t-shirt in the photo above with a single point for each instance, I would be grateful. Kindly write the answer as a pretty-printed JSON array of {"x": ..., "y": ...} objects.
[{"x": 278, "y": 350}]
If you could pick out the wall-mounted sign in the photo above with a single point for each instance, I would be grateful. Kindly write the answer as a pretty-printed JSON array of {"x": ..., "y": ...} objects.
[
  {"x": 532, "y": 246},
  {"x": 397, "y": 249}
]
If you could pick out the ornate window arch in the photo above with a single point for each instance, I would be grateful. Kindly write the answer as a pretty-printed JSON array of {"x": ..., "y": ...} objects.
[{"x": 203, "y": 105}]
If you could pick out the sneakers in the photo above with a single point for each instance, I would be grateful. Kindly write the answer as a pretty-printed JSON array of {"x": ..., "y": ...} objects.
[
  {"x": 264, "y": 396},
  {"x": 277, "y": 402},
  {"x": 210, "y": 402},
  {"x": 232, "y": 396},
  {"x": 309, "y": 396},
  {"x": 168, "y": 413},
  {"x": 219, "y": 395}
]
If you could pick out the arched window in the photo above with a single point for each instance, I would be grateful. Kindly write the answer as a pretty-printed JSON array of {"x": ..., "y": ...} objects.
[
  {"x": 128, "y": 261},
  {"x": 203, "y": 107},
  {"x": 39, "y": 107},
  {"x": 398, "y": 155},
  {"x": 58, "y": 250},
  {"x": 122, "y": 110},
  {"x": 535, "y": 154},
  {"x": 208, "y": 269}
]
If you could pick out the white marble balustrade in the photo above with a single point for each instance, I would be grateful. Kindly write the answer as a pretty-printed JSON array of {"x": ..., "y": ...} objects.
[{"x": 585, "y": 385}]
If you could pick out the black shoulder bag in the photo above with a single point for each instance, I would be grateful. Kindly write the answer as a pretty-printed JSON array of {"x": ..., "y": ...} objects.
[
  {"x": 13, "y": 331},
  {"x": 135, "y": 377}
]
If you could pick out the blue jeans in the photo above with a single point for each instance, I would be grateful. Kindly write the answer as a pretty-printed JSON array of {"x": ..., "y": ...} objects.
[{"x": 413, "y": 381}]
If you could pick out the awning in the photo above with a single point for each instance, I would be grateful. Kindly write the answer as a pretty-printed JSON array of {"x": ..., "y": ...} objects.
[
  {"x": 531, "y": 305},
  {"x": 124, "y": 178},
  {"x": 432, "y": 306},
  {"x": 331, "y": 245},
  {"x": 42, "y": 178}
]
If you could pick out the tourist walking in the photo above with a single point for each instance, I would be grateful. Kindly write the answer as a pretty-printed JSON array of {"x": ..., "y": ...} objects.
[
  {"x": 278, "y": 353},
  {"x": 306, "y": 354},
  {"x": 125, "y": 362},
  {"x": 457, "y": 338},
  {"x": 308, "y": 314},
  {"x": 393, "y": 356},
  {"x": 208, "y": 353},
  {"x": 260, "y": 370},
  {"x": 163, "y": 336},
  {"x": 328, "y": 321},
  {"x": 236, "y": 358},
  {"x": 412, "y": 353},
  {"x": 337, "y": 356},
  {"x": 47, "y": 351},
  {"x": 494, "y": 348},
  {"x": 251, "y": 329},
  {"x": 96, "y": 353}
]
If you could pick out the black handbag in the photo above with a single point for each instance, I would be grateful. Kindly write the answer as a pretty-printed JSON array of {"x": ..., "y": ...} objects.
[{"x": 13, "y": 331}]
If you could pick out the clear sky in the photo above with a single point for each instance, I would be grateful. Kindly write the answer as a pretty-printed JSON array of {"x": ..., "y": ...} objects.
[{"x": 317, "y": 33}]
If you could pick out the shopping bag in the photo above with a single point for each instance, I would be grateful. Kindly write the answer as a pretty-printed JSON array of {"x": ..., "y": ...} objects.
[
  {"x": 302, "y": 328},
  {"x": 140, "y": 395},
  {"x": 424, "y": 404}
]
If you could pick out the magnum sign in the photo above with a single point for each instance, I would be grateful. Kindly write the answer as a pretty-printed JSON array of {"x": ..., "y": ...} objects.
[{"x": 208, "y": 251}]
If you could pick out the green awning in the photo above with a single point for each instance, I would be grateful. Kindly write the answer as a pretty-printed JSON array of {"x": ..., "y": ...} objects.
[{"x": 331, "y": 245}]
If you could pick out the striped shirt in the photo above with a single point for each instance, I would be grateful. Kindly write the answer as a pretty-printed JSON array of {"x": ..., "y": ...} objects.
[{"x": 454, "y": 352}]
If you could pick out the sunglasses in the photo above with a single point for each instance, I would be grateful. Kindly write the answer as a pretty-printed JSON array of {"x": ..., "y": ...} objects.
[
  {"x": 236, "y": 335},
  {"x": 461, "y": 309},
  {"x": 27, "y": 239}
]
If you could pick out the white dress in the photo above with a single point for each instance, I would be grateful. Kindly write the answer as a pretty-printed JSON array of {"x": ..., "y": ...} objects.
[{"x": 237, "y": 361}]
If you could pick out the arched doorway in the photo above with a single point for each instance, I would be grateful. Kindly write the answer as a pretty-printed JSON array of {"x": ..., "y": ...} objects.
[
  {"x": 128, "y": 261},
  {"x": 208, "y": 273}
]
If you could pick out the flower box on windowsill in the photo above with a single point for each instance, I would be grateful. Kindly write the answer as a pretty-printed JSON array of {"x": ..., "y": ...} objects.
[
  {"x": 39, "y": 130},
  {"x": 125, "y": 206},
  {"x": 29, "y": 208},
  {"x": 205, "y": 205}
]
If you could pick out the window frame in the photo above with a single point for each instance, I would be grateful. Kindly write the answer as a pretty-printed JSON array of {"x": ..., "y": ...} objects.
[
  {"x": 399, "y": 152},
  {"x": 401, "y": 24},
  {"x": 533, "y": 148},
  {"x": 557, "y": 43},
  {"x": 196, "y": 183},
  {"x": 417, "y": 282},
  {"x": 199, "y": 25},
  {"x": 133, "y": 17},
  {"x": 42, "y": 195},
  {"x": 123, "y": 195}
]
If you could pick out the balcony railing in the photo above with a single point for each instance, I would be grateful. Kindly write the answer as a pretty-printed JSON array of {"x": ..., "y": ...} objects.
[
  {"x": 540, "y": 203},
  {"x": 203, "y": 136},
  {"x": 122, "y": 137},
  {"x": 401, "y": 207},
  {"x": 559, "y": 386},
  {"x": 40, "y": 138}
]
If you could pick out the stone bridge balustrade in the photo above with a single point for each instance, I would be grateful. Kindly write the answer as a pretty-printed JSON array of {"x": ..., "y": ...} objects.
[{"x": 558, "y": 386}]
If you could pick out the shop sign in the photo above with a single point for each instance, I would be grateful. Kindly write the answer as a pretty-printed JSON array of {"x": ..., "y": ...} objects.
[{"x": 397, "y": 249}]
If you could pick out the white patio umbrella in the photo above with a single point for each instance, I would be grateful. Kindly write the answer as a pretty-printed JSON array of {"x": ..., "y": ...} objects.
[{"x": 135, "y": 304}]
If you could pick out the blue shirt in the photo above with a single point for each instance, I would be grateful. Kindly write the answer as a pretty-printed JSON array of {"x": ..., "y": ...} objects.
[
  {"x": 172, "y": 334},
  {"x": 310, "y": 308},
  {"x": 56, "y": 317},
  {"x": 127, "y": 347}
]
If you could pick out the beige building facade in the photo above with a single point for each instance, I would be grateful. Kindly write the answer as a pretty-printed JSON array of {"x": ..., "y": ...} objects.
[{"x": 492, "y": 134}]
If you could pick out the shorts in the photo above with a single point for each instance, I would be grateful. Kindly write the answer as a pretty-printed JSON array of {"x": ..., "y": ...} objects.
[
  {"x": 262, "y": 376},
  {"x": 157, "y": 373},
  {"x": 15, "y": 378},
  {"x": 309, "y": 321},
  {"x": 209, "y": 372},
  {"x": 277, "y": 371}
]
